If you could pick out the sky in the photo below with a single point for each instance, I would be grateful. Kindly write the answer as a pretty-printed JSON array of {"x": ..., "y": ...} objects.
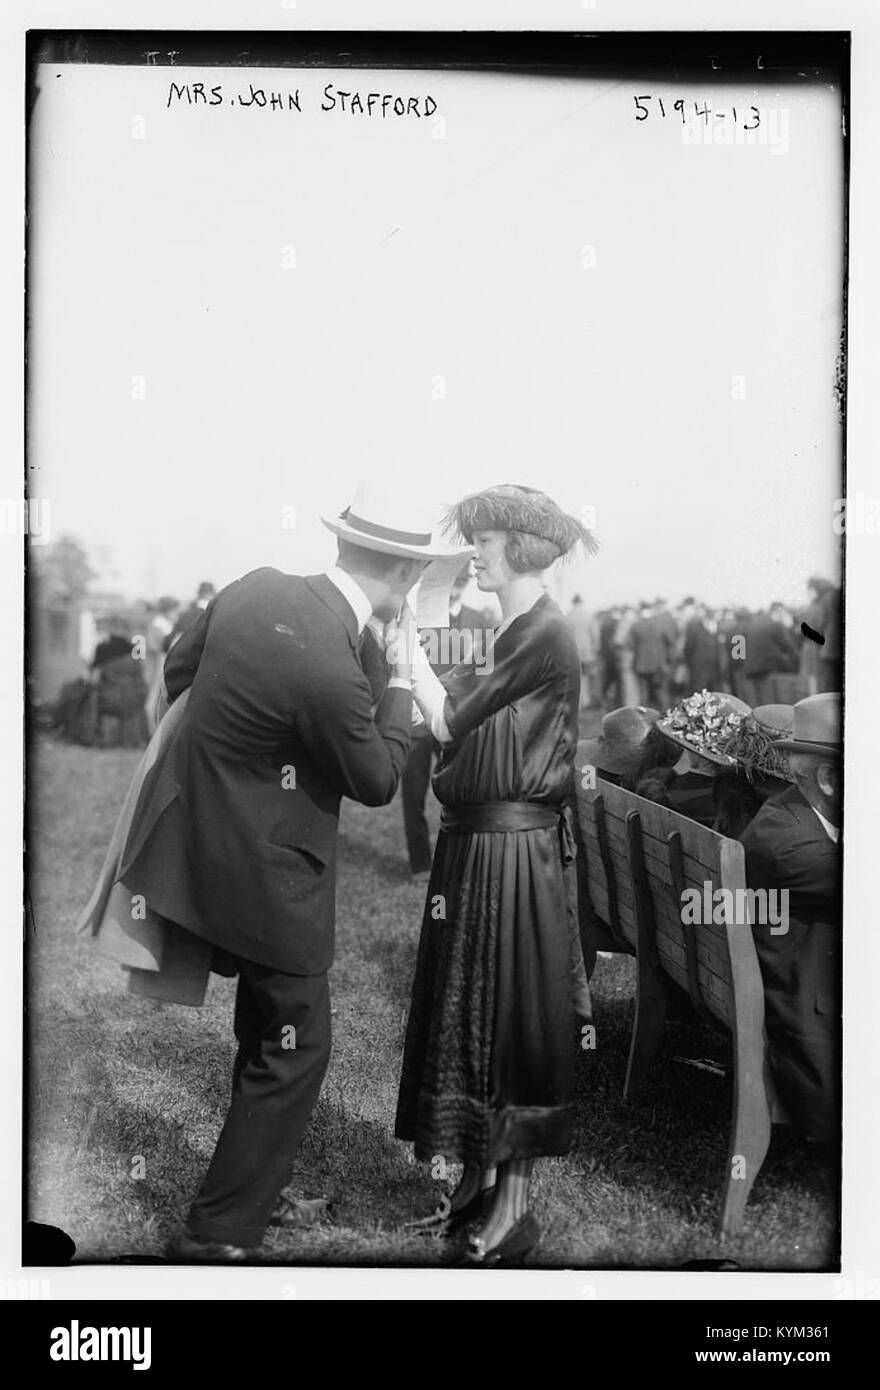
[{"x": 236, "y": 313}]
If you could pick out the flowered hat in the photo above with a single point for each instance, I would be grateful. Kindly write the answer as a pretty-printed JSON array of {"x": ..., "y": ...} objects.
[{"x": 704, "y": 723}]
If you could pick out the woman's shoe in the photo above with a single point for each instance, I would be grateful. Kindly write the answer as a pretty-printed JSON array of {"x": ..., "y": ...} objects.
[
  {"x": 446, "y": 1222},
  {"x": 520, "y": 1240}
]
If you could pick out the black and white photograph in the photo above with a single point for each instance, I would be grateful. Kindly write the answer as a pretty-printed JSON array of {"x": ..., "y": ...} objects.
[{"x": 437, "y": 580}]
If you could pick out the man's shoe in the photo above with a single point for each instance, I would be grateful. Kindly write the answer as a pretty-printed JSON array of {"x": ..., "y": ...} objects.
[{"x": 187, "y": 1250}]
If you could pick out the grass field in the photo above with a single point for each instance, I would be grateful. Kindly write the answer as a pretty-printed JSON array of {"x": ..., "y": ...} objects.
[{"x": 127, "y": 1095}]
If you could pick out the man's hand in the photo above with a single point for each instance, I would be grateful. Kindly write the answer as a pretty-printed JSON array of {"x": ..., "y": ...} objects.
[{"x": 402, "y": 643}]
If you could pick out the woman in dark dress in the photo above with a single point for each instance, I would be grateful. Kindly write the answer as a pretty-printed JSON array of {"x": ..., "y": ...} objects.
[{"x": 492, "y": 1035}]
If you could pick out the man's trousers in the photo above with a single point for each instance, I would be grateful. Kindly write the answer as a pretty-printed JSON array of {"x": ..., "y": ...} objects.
[
  {"x": 414, "y": 791},
  {"x": 282, "y": 1024}
]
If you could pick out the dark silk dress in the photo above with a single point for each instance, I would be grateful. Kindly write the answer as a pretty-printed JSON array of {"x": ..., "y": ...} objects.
[{"x": 492, "y": 1032}]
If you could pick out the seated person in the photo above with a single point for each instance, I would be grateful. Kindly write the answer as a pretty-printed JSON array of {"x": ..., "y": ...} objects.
[
  {"x": 630, "y": 752},
  {"x": 793, "y": 844},
  {"x": 619, "y": 748},
  {"x": 120, "y": 689},
  {"x": 685, "y": 768},
  {"x": 73, "y": 712}
]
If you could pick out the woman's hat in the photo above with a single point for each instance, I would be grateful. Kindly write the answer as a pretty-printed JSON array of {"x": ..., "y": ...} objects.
[
  {"x": 621, "y": 740},
  {"x": 774, "y": 719},
  {"x": 703, "y": 723},
  {"x": 512, "y": 507},
  {"x": 815, "y": 725},
  {"x": 381, "y": 517},
  {"x": 756, "y": 744}
]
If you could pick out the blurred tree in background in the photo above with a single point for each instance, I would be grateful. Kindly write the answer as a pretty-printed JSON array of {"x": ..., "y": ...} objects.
[{"x": 61, "y": 570}]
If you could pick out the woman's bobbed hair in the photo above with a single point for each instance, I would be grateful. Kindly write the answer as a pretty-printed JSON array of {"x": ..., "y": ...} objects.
[{"x": 527, "y": 554}]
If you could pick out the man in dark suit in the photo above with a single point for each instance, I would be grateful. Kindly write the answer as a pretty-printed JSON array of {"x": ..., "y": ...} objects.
[
  {"x": 770, "y": 650},
  {"x": 701, "y": 653},
  {"x": 188, "y": 616},
  {"x": 234, "y": 836},
  {"x": 793, "y": 844},
  {"x": 654, "y": 636}
]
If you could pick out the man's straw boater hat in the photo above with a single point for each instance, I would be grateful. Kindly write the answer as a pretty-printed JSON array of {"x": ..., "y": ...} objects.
[
  {"x": 512, "y": 507},
  {"x": 621, "y": 740},
  {"x": 815, "y": 726},
  {"x": 381, "y": 517}
]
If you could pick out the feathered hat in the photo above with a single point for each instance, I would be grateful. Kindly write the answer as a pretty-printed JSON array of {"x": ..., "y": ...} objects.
[
  {"x": 755, "y": 744},
  {"x": 510, "y": 507}
]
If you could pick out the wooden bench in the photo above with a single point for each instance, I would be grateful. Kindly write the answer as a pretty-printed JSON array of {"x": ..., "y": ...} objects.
[{"x": 638, "y": 859}]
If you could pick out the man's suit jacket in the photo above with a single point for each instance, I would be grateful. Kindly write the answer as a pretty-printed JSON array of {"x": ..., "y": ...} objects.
[
  {"x": 700, "y": 651},
  {"x": 770, "y": 647},
  {"x": 234, "y": 835},
  {"x": 787, "y": 847},
  {"x": 653, "y": 640}
]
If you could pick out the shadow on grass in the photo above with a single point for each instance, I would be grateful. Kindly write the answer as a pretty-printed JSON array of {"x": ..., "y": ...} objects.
[
  {"x": 374, "y": 1187},
  {"x": 680, "y": 1125},
  {"x": 114, "y": 1078}
]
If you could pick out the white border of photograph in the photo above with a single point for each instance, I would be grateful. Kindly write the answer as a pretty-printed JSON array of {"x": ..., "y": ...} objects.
[{"x": 860, "y": 1274}]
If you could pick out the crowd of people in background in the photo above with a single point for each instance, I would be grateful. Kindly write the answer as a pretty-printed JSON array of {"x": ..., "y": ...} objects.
[
  {"x": 647, "y": 654},
  {"x": 651, "y": 654},
  {"x": 732, "y": 718},
  {"x": 114, "y": 702}
]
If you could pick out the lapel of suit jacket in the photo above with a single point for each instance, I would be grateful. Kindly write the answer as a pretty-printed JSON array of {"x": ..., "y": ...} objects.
[
  {"x": 810, "y": 824},
  {"x": 324, "y": 589},
  {"x": 373, "y": 663}
]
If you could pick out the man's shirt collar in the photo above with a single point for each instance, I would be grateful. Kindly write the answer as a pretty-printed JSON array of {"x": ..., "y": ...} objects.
[
  {"x": 832, "y": 831},
  {"x": 353, "y": 593}
]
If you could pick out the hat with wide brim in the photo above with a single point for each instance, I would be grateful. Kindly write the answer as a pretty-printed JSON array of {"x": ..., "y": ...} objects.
[
  {"x": 727, "y": 704},
  {"x": 777, "y": 720},
  {"x": 381, "y": 517},
  {"x": 620, "y": 744},
  {"x": 757, "y": 743},
  {"x": 815, "y": 726}
]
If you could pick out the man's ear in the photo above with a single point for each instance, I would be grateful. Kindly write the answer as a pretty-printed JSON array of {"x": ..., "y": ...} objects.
[{"x": 826, "y": 778}]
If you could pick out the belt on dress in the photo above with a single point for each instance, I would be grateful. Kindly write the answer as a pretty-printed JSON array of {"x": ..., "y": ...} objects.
[{"x": 501, "y": 817}]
